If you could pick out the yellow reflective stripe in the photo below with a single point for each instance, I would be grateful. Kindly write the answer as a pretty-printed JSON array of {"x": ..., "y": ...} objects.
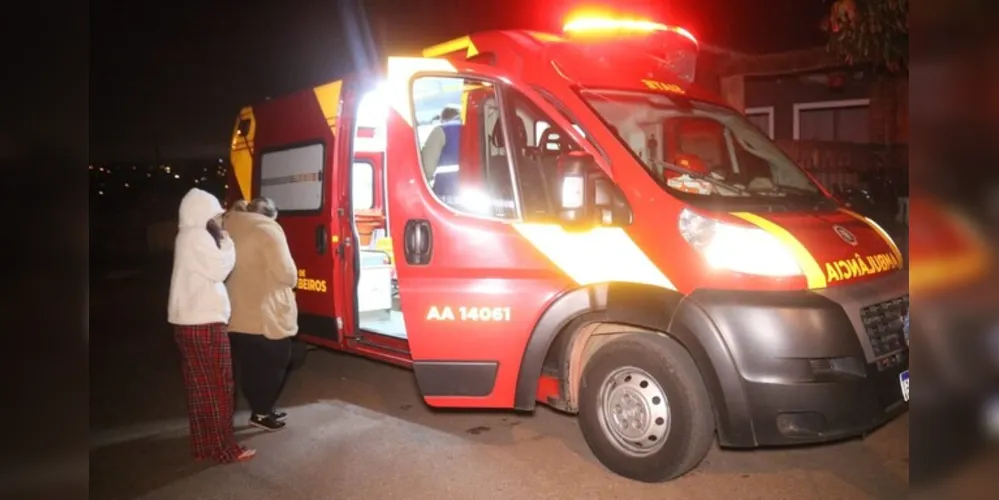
[
  {"x": 463, "y": 43},
  {"x": 599, "y": 255},
  {"x": 241, "y": 153},
  {"x": 400, "y": 71},
  {"x": 881, "y": 232},
  {"x": 328, "y": 96},
  {"x": 813, "y": 273}
]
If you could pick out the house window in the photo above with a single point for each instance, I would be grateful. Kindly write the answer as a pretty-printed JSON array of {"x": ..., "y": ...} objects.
[
  {"x": 763, "y": 118},
  {"x": 834, "y": 121}
]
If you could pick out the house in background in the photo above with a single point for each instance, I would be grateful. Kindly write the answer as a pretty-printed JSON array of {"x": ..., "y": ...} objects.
[
  {"x": 812, "y": 106},
  {"x": 846, "y": 124}
]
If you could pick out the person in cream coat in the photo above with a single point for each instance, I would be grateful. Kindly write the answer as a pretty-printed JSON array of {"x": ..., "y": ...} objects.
[{"x": 264, "y": 312}]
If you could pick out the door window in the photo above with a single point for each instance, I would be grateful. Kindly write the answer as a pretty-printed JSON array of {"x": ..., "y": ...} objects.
[
  {"x": 461, "y": 147},
  {"x": 363, "y": 185}
]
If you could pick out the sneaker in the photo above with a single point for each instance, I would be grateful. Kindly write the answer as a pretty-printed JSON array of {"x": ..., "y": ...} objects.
[
  {"x": 280, "y": 416},
  {"x": 266, "y": 422}
]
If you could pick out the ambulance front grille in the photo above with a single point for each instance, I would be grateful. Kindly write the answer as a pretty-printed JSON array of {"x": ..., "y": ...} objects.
[{"x": 884, "y": 323}]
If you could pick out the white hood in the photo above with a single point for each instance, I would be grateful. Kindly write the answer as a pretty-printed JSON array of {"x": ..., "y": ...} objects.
[{"x": 197, "y": 207}]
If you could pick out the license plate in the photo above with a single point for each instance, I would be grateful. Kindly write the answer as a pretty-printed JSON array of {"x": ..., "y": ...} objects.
[{"x": 903, "y": 381}]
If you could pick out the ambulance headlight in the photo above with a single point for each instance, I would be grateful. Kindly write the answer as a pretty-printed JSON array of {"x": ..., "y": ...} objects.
[{"x": 739, "y": 249}]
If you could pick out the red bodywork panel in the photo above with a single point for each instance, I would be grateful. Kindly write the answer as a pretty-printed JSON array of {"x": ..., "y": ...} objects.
[
  {"x": 476, "y": 263},
  {"x": 296, "y": 120}
]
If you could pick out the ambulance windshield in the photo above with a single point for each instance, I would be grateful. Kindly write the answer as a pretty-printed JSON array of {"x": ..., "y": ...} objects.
[{"x": 696, "y": 147}]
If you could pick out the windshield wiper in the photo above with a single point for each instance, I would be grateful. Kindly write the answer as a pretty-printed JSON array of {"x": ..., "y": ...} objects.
[{"x": 702, "y": 176}]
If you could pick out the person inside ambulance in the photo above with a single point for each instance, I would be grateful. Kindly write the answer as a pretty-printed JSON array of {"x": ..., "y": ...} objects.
[
  {"x": 440, "y": 154},
  {"x": 701, "y": 145},
  {"x": 698, "y": 145}
]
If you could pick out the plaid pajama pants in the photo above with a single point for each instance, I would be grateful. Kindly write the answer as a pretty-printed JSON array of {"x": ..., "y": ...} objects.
[{"x": 207, "y": 366}]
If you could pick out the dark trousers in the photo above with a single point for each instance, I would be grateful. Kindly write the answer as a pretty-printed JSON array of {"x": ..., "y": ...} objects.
[{"x": 262, "y": 367}]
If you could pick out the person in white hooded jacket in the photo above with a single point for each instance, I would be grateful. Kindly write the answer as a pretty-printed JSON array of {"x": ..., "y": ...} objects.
[{"x": 199, "y": 310}]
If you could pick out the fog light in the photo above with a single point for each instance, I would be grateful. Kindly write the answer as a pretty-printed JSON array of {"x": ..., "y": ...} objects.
[{"x": 804, "y": 424}]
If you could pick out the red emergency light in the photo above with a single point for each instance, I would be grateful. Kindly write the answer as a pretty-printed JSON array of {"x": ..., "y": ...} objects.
[{"x": 604, "y": 25}]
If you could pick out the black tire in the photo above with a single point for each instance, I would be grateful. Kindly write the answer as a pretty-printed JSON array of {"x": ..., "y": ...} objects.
[
  {"x": 299, "y": 351},
  {"x": 691, "y": 418}
]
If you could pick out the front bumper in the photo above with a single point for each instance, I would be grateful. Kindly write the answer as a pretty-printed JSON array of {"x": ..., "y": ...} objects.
[{"x": 808, "y": 366}]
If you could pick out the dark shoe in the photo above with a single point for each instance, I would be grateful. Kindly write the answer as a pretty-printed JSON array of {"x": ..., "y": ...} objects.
[
  {"x": 267, "y": 423},
  {"x": 280, "y": 416}
]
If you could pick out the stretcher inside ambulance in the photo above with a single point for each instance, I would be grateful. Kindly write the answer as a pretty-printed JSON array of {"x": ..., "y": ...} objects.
[{"x": 572, "y": 222}]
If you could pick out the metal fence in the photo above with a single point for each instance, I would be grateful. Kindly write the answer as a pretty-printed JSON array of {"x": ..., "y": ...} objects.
[
  {"x": 839, "y": 165},
  {"x": 874, "y": 177}
]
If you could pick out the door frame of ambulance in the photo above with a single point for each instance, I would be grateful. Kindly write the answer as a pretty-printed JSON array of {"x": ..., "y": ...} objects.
[
  {"x": 477, "y": 263},
  {"x": 371, "y": 344},
  {"x": 316, "y": 269}
]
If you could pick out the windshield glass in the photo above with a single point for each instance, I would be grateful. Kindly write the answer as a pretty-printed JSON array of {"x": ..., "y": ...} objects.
[{"x": 695, "y": 147}]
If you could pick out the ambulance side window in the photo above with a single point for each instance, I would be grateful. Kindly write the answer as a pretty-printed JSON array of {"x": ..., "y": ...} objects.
[
  {"x": 293, "y": 177},
  {"x": 461, "y": 146}
]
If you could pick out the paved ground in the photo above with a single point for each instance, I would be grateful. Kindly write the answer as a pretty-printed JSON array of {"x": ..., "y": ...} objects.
[{"x": 357, "y": 430}]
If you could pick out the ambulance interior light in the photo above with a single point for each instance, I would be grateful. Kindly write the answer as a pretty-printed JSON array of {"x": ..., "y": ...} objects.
[{"x": 745, "y": 250}]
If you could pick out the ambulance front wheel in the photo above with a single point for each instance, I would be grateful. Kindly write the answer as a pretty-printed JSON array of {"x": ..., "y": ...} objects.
[{"x": 644, "y": 409}]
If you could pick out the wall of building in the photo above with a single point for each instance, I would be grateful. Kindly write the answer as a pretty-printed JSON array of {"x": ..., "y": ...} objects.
[
  {"x": 890, "y": 110},
  {"x": 887, "y": 112},
  {"x": 783, "y": 92}
]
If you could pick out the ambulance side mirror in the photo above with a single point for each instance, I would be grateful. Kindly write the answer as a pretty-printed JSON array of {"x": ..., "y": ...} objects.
[
  {"x": 587, "y": 198},
  {"x": 574, "y": 199}
]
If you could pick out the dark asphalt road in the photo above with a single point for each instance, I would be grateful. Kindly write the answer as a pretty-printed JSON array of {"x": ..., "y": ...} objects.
[{"x": 357, "y": 429}]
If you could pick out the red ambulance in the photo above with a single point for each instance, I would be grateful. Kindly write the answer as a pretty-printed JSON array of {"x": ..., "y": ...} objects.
[{"x": 526, "y": 218}]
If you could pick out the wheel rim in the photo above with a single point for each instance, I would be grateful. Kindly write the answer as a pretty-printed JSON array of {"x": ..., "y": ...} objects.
[{"x": 634, "y": 412}]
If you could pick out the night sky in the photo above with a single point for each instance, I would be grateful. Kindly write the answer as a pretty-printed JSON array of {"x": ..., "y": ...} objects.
[{"x": 173, "y": 74}]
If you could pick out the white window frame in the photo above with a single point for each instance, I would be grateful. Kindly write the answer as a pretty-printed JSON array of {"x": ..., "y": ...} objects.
[
  {"x": 764, "y": 110},
  {"x": 805, "y": 106}
]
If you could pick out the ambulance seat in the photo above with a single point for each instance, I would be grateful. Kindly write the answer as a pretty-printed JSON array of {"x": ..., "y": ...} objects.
[{"x": 550, "y": 160}]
